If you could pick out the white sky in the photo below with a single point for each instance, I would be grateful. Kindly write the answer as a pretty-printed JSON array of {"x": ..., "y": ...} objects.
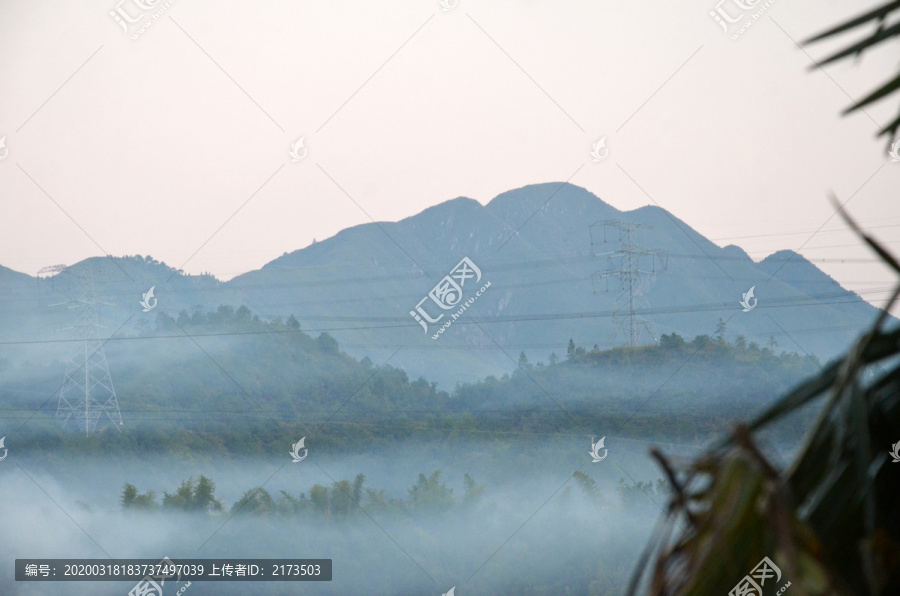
[{"x": 149, "y": 146}]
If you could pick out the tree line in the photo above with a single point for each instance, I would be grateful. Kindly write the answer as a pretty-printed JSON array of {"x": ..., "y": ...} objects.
[{"x": 344, "y": 498}]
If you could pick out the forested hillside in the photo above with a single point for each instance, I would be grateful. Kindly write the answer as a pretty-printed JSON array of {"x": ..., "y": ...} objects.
[{"x": 228, "y": 381}]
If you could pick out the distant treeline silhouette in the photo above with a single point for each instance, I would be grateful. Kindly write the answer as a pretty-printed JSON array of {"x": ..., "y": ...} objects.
[{"x": 343, "y": 498}]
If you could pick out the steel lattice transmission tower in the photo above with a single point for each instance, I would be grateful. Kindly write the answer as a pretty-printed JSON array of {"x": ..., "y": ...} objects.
[
  {"x": 87, "y": 397},
  {"x": 633, "y": 280}
]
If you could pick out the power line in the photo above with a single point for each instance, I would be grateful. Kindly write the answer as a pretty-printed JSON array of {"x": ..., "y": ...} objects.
[
  {"x": 774, "y": 234},
  {"x": 841, "y": 297},
  {"x": 501, "y": 267}
]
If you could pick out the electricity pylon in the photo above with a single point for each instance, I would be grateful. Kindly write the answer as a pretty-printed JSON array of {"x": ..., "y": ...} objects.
[
  {"x": 633, "y": 281},
  {"x": 87, "y": 397}
]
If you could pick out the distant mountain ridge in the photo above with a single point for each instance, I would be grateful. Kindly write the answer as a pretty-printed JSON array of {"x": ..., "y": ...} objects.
[{"x": 544, "y": 260}]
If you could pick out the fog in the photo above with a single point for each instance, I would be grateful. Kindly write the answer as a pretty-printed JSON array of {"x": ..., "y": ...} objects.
[
  {"x": 532, "y": 523},
  {"x": 537, "y": 527}
]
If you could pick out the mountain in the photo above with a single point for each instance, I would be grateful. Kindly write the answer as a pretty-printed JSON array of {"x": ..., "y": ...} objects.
[{"x": 547, "y": 255}]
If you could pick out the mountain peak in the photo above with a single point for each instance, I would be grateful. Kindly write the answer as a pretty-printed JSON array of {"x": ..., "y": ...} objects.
[
  {"x": 794, "y": 268},
  {"x": 459, "y": 205},
  {"x": 781, "y": 257},
  {"x": 534, "y": 196}
]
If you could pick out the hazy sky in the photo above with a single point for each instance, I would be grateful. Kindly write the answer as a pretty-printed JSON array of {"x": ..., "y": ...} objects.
[{"x": 150, "y": 146}]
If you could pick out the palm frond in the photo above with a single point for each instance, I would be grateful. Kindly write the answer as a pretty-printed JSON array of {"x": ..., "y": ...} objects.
[
  {"x": 877, "y": 17},
  {"x": 830, "y": 521}
]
